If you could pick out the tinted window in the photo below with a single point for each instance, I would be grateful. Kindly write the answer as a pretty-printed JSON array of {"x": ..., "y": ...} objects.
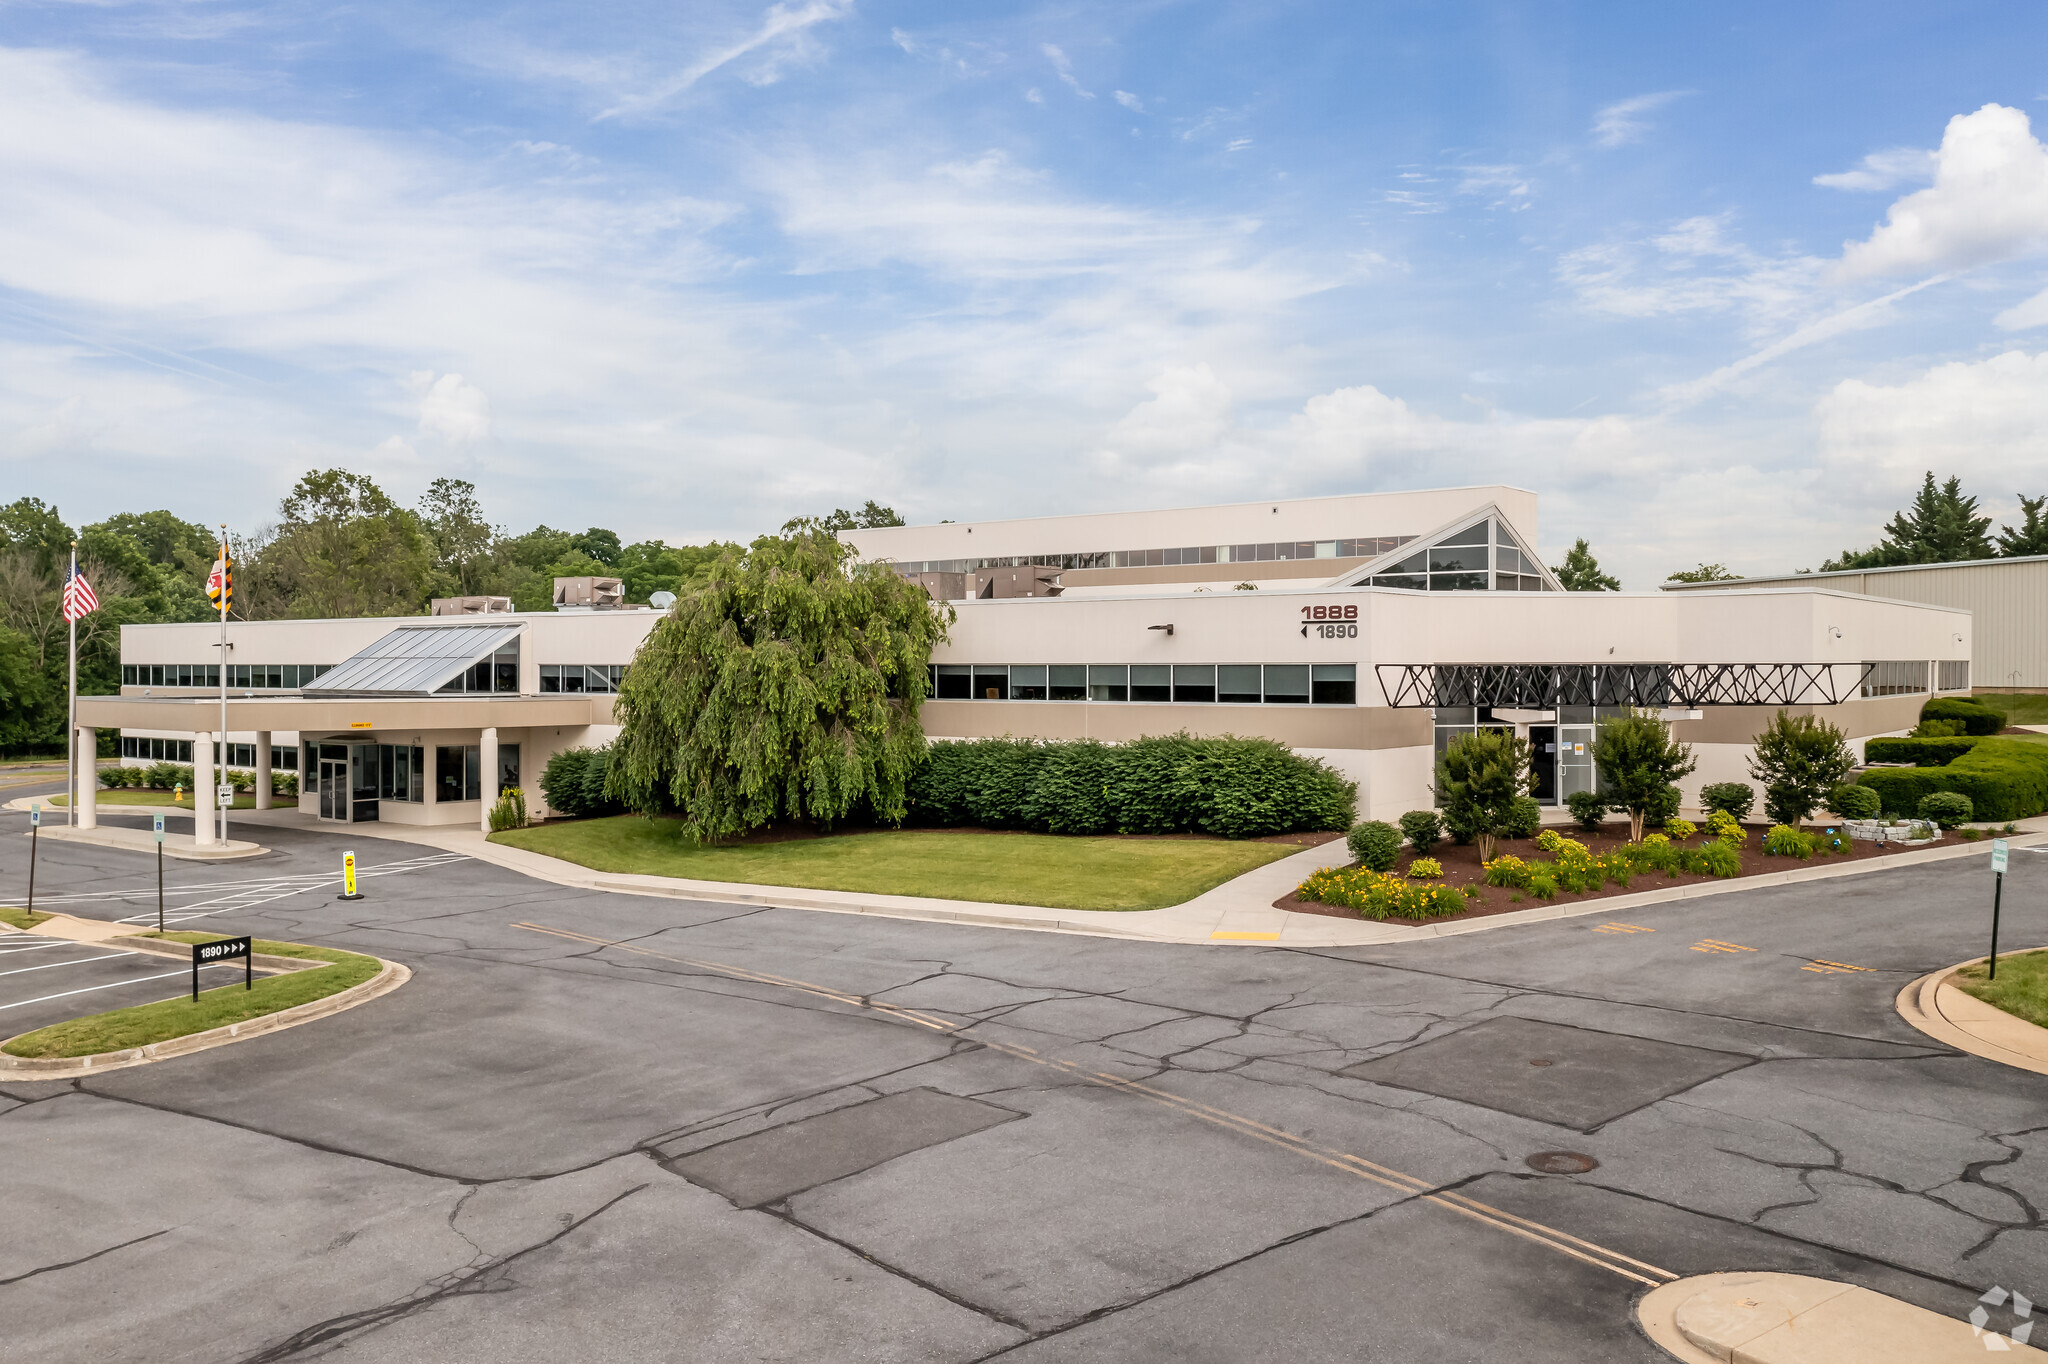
[
  {"x": 1336, "y": 684},
  {"x": 1287, "y": 682},
  {"x": 1194, "y": 682},
  {"x": 956, "y": 681},
  {"x": 991, "y": 682},
  {"x": 1238, "y": 682},
  {"x": 1027, "y": 682},
  {"x": 1151, "y": 682},
  {"x": 1069, "y": 682},
  {"x": 1110, "y": 683}
]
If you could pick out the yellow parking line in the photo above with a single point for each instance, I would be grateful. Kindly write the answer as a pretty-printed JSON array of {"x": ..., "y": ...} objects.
[
  {"x": 1716, "y": 945},
  {"x": 1827, "y": 968},
  {"x": 1247, "y": 937},
  {"x": 1622, "y": 928}
]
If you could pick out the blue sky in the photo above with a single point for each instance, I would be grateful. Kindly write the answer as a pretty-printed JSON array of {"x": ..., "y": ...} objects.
[{"x": 1717, "y": 281}]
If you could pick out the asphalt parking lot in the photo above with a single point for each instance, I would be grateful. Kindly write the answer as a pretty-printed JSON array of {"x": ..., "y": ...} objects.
[{"x": 619, "y": 1127}]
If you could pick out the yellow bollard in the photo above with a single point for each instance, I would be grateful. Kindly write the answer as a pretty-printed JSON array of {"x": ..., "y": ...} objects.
[{"x": 178, "y": 794}]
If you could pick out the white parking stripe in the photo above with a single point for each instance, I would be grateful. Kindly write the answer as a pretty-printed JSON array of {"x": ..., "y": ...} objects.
[
  {"x": 115, "y": 986},
  {"x": 38, "y": 946},
  {"x": 53, "y": 965}
]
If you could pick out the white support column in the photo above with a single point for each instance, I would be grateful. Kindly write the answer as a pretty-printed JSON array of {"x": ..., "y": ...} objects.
[
  {"x": 488, "y": 777},
  {"x": 88, "y": 747},
  {"x": 203, "y": 827},
  {"x": 263, "y": 769}
]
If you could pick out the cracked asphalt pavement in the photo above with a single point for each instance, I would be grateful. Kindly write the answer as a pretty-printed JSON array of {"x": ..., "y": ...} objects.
[{"x": 623, "y": 1128}]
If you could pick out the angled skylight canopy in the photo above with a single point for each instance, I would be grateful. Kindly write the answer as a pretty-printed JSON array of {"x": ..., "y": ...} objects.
[
  {"x": 422, "y": 660},
  {"x": 1478, "y": 552}
]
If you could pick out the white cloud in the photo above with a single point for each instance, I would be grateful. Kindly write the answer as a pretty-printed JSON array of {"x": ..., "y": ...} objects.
[
  {"x": 1065, "y": 69},
  {"x": 1986, "y": 419},
  {"x": 1130, "y": 101},
  {"x": 782, "y": 39},
  {"x": 1034, "y": 95},
  {"x": 1624, "y": 121},
  {"x": 1693, "y": 266},
  {"x": 456, "y": 411},
  {"x": 1884, "y": 170},
  {"x": 1989, "y": 202}
]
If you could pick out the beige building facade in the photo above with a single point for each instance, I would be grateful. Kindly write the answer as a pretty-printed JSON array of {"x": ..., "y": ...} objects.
[{"x": 1377, "y": 627}]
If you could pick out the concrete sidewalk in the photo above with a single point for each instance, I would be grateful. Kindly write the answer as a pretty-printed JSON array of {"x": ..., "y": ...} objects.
[{"x": 1238, "y": 912}]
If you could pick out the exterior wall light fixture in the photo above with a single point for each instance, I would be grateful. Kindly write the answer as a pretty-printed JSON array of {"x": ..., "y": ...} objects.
[{"x": 1167, "y": 628}]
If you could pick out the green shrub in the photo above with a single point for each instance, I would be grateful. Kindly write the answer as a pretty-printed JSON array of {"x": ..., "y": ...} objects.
[
  {"x": 285, "y": 784},
  {"x": 510, "y": 810},
  {"x": 1735, "y": 797},
  {"x": 166, "y": 775},
  {"x": 1718, "y": 858},
  {"x": 1525, "y": 817},
  {"x": 1639, "y": 761},
  {"x": 1851, "y": 801},
  {"x": 1374, "y": 844},
  {"x": 1977, "y": 717},
  {"x": 1938, "y": 729},
  {"x": 1543, "y": 880},
  {"x": 1589, "y": 808},
  {"x": 2005, "y": 779},
  {"x": 1798, "y": 759},
  {"x": 1655, "y": 853},
  {"x": 1071, "y": 794},
  {"x": 1376, "y": 895},
  {"x": 1948, "y": 809},
  {"x": 1478, "y": 780},
  {"x": 1235, "y": 788},
  {"x": 1785, "y": 841},
  {"x": 1678, "y": 830},
  {"x": 119, "y": 778},
  {"x": 1425, "y": 869},
  {"x": 1507, "y": 871},
  {"x": 573, "y": 783},
  {"x": 1723, "y": 827},
  {"x": 1423, "y": 829},
  {"x": 1919, "y": 752}
]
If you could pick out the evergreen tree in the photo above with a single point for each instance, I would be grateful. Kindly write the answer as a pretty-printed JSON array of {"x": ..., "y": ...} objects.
[
  {"x": 2032, "y": 536},
  {"x": 1580, "y": 572},
  {"x": 1941, "y": 527}
]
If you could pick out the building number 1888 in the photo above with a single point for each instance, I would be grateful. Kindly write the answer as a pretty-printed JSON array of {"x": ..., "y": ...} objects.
[{"x": 1331, "y": 622}]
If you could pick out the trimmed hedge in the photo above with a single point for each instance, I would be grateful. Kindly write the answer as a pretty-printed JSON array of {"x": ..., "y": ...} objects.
[
  {"x": 1919, "y": 752},
  {"x": 1175, "y": 783},
  {"x": 1978, "y": 718},
  {"x": 2005, "y": 779},
  {"x": 573, "y": 782}
]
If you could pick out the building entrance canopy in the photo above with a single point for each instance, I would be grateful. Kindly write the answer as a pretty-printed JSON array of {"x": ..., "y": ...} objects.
[{"x": 1543, "y": 685}]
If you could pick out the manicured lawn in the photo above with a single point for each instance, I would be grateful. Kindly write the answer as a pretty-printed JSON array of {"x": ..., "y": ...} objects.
[
  {"x": 244, "y": 800},
  {"x": 216, "y": 1008},
  {"x": 1025, "y": 869},
  {"x": 20, "y": 918},
  {"x": 2018, "y": 708},
  {"x": 2021, "y": 988}
]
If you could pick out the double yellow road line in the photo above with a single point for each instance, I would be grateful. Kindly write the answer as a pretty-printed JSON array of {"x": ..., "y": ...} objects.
[{"x": 1409, "y": 1185}]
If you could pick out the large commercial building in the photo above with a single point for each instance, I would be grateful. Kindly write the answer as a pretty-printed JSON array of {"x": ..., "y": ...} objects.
[
  {"x": 2007, "y": 598},
  {"x": 1365, "y": 630}
]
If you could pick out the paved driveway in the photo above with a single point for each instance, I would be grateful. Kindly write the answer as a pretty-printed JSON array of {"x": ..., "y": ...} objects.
[{"x": 609, "y": 1127}]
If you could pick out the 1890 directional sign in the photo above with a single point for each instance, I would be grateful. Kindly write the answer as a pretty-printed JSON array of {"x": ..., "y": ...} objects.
[{"x": 226, "y": 949}]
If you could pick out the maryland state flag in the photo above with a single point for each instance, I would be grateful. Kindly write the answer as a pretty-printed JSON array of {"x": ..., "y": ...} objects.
[{"x": 220, "y": 584}]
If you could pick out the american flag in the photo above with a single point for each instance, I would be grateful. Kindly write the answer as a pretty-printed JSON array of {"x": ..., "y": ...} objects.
[{"x": 78, "y": 597}]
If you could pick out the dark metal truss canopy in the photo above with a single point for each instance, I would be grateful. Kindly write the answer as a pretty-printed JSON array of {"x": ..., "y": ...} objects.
[{"x": 1543, "y": 685}]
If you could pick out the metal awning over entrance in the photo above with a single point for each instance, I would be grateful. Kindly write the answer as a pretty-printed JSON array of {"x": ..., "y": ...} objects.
[
  {"x": 1544, "y": 685},
  {"x": 413, "y": 660}
]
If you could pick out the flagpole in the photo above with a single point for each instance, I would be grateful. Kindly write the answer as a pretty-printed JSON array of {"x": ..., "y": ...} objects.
[
  {"x": 226, "y": 579},
  {"x": 71, "y": 706}
]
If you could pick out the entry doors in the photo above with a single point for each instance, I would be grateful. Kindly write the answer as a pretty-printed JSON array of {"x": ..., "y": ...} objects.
[
  {"x": 334, "y": 788},
  {"x": 1543, "y": 763},
  {"x": 1575, "y": 770}
]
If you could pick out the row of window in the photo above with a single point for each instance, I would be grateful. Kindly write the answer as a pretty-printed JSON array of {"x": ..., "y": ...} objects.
[
  {"x": 399, "y": 771},
  {"x": 1296, "y": 684},
  {"x": 283, "y": 757},
  {"x": 1909, "y": 677},
  {"x": 244, "y": 675},
  {"x": 1367, "y": 547},
  {"x": 583, "y": 677}
]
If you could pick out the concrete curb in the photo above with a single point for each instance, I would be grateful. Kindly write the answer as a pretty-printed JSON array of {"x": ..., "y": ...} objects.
[
  {"x": 71, "y": 1067},
  {"x": 1943, "y": 1012}
]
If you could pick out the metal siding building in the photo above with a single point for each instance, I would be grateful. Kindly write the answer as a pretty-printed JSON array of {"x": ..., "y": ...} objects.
[{"x": 2007, "y": 599}]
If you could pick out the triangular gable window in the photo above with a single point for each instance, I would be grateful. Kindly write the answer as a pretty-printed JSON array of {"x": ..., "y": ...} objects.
[{"x": 1480, "y": 556}]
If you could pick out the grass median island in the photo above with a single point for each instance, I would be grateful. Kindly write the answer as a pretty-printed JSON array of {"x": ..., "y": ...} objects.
[
  {"x": 1062, "y": 872},
  {"x": 216, "y": 1007},
  {"x": 17, "y": 917},
  {"x": 2021, "y": 988},
  {"x": 128, "y": 795}
]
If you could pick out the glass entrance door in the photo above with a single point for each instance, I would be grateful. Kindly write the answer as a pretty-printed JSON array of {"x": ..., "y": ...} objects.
[
  {"x": 1575, "y": 770},
  {"x": 1543, "y": 763},
  {"x": 334, "y": 789}
]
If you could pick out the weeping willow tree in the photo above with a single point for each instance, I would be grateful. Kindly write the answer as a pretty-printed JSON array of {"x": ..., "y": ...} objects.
[{"x": 784, "y": 685}]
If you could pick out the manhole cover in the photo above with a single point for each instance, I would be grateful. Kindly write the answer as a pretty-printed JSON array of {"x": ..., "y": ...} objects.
[{"x": 1562, "y": 1163}]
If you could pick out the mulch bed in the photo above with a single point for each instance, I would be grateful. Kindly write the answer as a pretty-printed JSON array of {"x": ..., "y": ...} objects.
[{"x": 1461, "y": 869}]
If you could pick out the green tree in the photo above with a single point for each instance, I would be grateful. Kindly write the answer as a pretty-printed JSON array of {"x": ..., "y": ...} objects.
[
  {"x": 1639, "y": 763},
  {"x": 871, "y": 515},
  {"x": 1798, "y": 760},
  {"x": 652, "y": 566},
  {"x": 1478, "y": 780},
  {"x": 1942, "y": 526},
  {"x": 599, "y": 544},
  {"x": 342, "y": 548},
  {"x": 1705, "y": 573},
  {"x": 165, "y": 540},
  {"x": 2032, "y": 535},
  {"x": 785, "y": 685},
  {"x": 30, "y": 528},
  {"x": 462, "y": 539},
  {"x": 1580, "y": 572}
]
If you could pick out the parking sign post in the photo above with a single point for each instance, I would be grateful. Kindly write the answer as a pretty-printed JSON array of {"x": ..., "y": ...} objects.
[
  {"x": 1998, "y": 847},
  {"x": 35, "y": 829},
  {"x": 159, "y": 830}
]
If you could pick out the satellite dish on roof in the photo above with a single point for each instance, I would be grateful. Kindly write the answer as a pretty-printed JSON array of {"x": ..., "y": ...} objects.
[{"x": 662, "y": 601}]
